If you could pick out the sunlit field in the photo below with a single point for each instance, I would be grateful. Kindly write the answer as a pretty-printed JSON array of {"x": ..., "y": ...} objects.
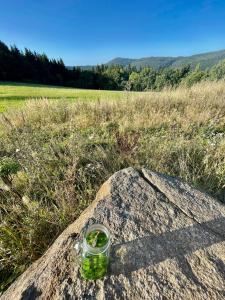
[{"x": 14, "y": 94}]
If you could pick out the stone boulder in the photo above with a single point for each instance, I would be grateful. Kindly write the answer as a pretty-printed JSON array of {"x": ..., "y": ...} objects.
[{"x": 168, "y": 242}]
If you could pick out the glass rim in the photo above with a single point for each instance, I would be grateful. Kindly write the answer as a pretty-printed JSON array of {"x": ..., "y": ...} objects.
[{"x": 96, "y": 250}]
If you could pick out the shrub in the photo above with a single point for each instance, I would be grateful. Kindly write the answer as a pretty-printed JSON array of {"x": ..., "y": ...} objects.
[
  {"x": 194, "y": 77},
  {"x": 8, "y": 166},
  {"x": 217, "y": 72}
]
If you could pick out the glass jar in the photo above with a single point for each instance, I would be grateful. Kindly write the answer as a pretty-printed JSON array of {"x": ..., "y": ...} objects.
[{"x": 95, "y": 252}]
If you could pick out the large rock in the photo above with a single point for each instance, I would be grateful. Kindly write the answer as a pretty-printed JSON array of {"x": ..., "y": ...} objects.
[{"x": 168, "y": 243}]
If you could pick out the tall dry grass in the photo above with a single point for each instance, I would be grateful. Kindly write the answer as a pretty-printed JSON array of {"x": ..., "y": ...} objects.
[{"x": 67, "y": 150}]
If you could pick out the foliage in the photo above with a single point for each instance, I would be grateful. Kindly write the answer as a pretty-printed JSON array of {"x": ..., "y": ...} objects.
[
  {"x": 218, "y": 71},
  {"x": 8, "y": 166},
  {"x": 194, "y": 77}
]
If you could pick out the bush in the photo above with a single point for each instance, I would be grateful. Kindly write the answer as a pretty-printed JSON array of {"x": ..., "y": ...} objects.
[
  {"x": 218, "y": 71},
  {"x": 194, "y": 77},
  {"x": 8, "y": 166}
]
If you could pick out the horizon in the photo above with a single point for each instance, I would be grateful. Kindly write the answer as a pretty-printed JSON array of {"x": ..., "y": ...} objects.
[
  {"x": 134, "y": 58},
  {"x": 85, "y": 33}
]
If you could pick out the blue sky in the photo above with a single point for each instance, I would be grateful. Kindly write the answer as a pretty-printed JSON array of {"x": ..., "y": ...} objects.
[{"x": 89, "y": 32}]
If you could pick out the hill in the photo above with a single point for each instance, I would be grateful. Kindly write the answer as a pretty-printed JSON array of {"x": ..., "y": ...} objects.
[{"x": 206, "y": 60}]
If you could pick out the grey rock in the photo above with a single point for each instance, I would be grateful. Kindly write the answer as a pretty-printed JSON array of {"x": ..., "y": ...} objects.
[{"x": 168, "y": 242}]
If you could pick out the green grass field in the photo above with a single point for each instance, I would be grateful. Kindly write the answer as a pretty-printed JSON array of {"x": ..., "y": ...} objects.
[
  {"x": 15, "y": 94},
  {"x": 55, "y": 154}
]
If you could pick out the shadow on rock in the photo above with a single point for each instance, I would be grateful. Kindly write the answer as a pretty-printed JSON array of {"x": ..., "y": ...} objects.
[
  {"x": 31, "y": 293},
  {"x": 150, "y": 250}
]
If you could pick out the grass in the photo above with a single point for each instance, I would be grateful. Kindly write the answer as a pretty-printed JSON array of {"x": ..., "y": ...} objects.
[
  {"x": 66, "y": 150},
  {"x": 15, "y": 94}
]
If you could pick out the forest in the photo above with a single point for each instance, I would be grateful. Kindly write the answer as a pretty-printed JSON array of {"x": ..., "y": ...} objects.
[{"x": 31, "y": 67}]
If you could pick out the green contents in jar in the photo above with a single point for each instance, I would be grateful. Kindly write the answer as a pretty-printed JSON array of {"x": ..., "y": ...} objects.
[
  {"x": 95, "y": 266},
  {"x": 97, "y": 238}
]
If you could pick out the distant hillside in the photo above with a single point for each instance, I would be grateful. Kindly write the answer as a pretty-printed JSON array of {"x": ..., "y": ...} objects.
[
  {"x": 121, "y": 61},
  {"x": 206, "y": 60}
]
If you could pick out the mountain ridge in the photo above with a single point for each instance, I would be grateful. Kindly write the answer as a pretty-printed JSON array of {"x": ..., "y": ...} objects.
[{"x": 205, "y": 60}]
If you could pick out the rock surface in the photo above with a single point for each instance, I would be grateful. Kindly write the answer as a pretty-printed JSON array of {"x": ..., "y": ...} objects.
[{"x": 168, "y": 243}]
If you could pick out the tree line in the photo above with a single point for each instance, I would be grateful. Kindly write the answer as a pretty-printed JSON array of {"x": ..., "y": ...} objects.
[{"x": 31, "y": 67}]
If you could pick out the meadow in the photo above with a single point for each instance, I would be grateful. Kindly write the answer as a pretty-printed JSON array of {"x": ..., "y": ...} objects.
[
  {"x": 55, "y": 153},
  {"x": 15, "y": 94}
]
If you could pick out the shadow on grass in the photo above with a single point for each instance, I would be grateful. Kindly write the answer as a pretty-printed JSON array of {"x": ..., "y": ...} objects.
[
  {"x": 25, "y": 98},
  {"x": 11, "y": 98},
  {"x": 27, "y": 84}
]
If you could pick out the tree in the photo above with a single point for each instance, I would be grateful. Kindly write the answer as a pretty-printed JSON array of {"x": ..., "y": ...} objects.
[
  {"x": 196, "y": 76},
  {"x": 135, "y": 82},
  {"x": 218, "y": 71},
  {"x": 4, "y": 61},
  {"x": 30, "y": 66},
  {"x": 147, "y": 79}
]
